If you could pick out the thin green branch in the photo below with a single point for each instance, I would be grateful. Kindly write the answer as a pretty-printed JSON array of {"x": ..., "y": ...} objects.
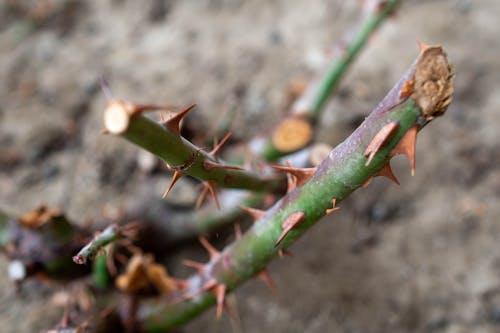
[
  {"x": 391, "y": 128},
  {"x": 311, "y": 104}
]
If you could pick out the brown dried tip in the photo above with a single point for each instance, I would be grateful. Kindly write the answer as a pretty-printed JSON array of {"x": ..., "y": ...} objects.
[
  {"x": 302, "y": 175},
  {"x": 407, "y": 146},
  {"x": 379, "y": 140},
  {"x": 292, "y": 221},
  {"x": 292, "y": 134},
  {"x": 433, "y": 81},
  {"x": 177, "y": 175},
  {"x": 256, "y": 214}
]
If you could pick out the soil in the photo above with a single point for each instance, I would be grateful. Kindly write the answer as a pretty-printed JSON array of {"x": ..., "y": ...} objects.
[{"x": 420, "y": 257}]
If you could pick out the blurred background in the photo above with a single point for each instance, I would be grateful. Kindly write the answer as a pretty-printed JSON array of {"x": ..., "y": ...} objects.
[{"x": 420, "y": 257}]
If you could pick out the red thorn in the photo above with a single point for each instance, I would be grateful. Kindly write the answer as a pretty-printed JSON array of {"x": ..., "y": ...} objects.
[
  {"x": 218, "y": 146},
  {"x": 407, "y": 146},
  {"x": 379, "y": 140},
  {"x": 331, "y": 210},
  {"x": 173, "y": 123},
  {"x": 209, "y": 165},
  {"x": 212, "y": 251},
  {"x": 301, "y": 174},
  {"x": 220, "y": 293},
  {"x": 194, "y": 264},
  {"x": 256, "y": 214},
  {"x": 284, "y": 252},
  {"x": 177, "y": 175},
  {"x": 386, "y": 171},
  {"x": 293, "y": 220},
  {"x": 264, "y": 277},
  {"x": 422, "y": 46},
  {"x": 237, "y": 231}
]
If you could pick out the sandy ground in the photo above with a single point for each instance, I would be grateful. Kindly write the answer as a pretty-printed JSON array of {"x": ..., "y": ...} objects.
[{"x": 421, "y": 257}]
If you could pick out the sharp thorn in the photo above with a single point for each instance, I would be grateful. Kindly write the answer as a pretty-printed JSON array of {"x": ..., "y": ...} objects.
[
  {"x": 422, "y": 46},
  {"x": 201, "y": 197},
  {"x": 212, "y": 251},
  {"x": 220, "y": 293},
  {"x": 264, "y": 277},
  {"x": 302, "y": 175},
  {"x": 173, "y": 123},
  {"x": 407, "y": 146},
  {"x": 331, "y": 210},
  {"x": 256, "y": 214},
  {"x": 379, "y": 140},
  {"x": 177, "y": 175},
  {"x": 194, "y": 264},
  {"x": 292, "y": 221},
  {"x": 386, "y": 171},
  {"x": 211, "y": 189},
  {"x": 367, "y": 182},
  {"x": 218, "y": 146}
]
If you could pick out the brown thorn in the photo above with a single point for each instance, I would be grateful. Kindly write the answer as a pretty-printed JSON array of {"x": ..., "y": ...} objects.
[
  {"x": 218, "y": 146},
  {"x": 201, "y": 197},
  {"x": 220, "y": 293},
  {"x": 173, "y": 123},
  {"x": 194, "y": 264},
  {"x": 212, "y": 251},
  {"x": 207, "y": 286},
  {"x": 211, "y": 189},
  {"x": 237, "y": 231},
  {"x": 256, "y": 214},
  {"x": 422, "y": 46},
  {"x": 177, "y": 175},
  {"x": 291, "y": 183},
  {"x": 331, "y": 210},
  {"x": 293, "y": 220},
  {"x": 406, "y": 146},
  {"x": 367, "y": 182},
  {"x": 386, "y": 171},
  {"x": 302, "y": 174},
  {"x": 209, "y": 165},
  {"x": 379, "y": 140},
  {"x": 264, "y": 277},
  {"x": 284, "y": 252}
]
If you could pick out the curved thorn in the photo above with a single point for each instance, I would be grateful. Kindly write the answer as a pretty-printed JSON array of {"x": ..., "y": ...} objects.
[
  {"x": 406, "y": 146},
  {"x": 301, "y": 174},
  {"x": 173, "y": 123},
  {"x": 379, "y": 140},
  {"x": 292, "y": 221},
  {"x": 386, "y": 171}
]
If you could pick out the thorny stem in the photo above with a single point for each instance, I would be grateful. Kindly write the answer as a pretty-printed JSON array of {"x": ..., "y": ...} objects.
[
  {"x": 89, "y": 251},
  {"x": 188, "y": 159},
  {"x": 423, "y": 93},
  {"x": 313, "y": 100}
]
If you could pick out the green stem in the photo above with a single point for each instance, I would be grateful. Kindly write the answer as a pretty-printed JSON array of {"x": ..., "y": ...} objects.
[
  {"x": 191, "y": 160},
  {"x": 89, "y": 251},
  {"x": 313, "y": 101},
  {"x": 343, "y": 171}
]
